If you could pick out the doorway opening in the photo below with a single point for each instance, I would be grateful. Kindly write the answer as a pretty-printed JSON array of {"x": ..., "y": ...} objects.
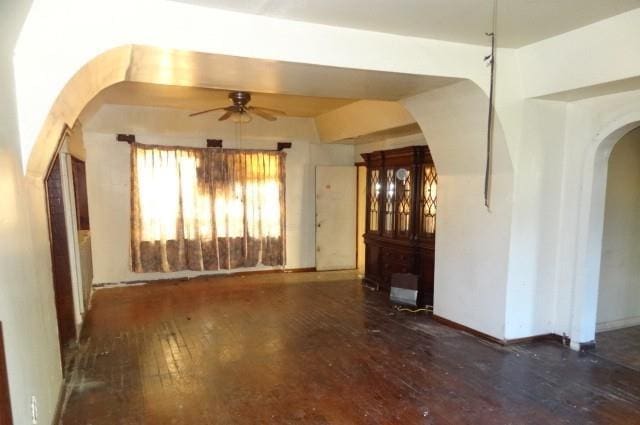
[
  {"x": 69, "y": 235},
  {"x": 60, "y": 261},
  {"x": 618, "y": 314}
]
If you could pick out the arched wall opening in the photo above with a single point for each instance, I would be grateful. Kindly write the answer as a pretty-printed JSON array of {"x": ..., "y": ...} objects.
[
  {"x": 472, "y": 245},
  {"x": 591, "y": 228},
  {"x": 619, "y": 287}
]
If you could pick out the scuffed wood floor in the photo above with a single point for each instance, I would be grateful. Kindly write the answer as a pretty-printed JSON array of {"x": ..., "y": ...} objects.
[
  {"x": 318, "y": 348},
  {"x": 621, "y": 346}
]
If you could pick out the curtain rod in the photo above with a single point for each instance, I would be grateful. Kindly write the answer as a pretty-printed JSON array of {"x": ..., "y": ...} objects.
[
  {"x": 128, "y": 138},
  {"x": 211, "y": 143}
]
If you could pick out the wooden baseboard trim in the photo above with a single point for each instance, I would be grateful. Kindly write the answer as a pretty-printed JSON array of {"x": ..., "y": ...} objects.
[
  {"x": 538, "y": 338},
  {"x": 214, "y": 275},
  {"x": 301, "y": 270},
  {"x": 467, "y": 329},
  {"x": 506, "y": 342}
]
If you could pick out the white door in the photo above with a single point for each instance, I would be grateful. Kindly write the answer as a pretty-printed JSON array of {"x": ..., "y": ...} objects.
[{"x": 335, "y": 218}]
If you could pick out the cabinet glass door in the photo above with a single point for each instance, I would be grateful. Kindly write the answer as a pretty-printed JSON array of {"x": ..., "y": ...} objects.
[
  {"x": 389, "y": 200},
  {"x": 403, "y": 184},
  {"x": 374, "y": 200},
  {"x": 429, "y": 200}
]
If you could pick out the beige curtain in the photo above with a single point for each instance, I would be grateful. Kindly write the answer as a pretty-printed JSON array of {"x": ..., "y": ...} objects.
[{"x": 206, "y": 209}]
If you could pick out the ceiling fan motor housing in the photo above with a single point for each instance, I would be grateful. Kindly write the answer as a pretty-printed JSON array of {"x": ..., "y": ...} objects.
[{"x": 240, "y": 99}]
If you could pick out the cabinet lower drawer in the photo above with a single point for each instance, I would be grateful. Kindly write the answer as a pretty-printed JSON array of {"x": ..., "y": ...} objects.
[{"x": 382, "y": 260}]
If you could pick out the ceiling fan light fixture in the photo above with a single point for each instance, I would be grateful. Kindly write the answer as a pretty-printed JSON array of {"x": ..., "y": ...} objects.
[{"x": 240, "y": 117}]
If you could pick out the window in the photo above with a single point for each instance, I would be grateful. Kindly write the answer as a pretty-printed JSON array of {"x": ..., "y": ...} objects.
[{"x": 191, "y": 205}]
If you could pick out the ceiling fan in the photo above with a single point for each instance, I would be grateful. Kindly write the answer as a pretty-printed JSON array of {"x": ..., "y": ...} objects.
[{"x": 241, "y": 113}]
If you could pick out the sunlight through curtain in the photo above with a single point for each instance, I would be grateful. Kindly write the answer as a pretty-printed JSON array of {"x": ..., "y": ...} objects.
[{"x": 206, "y": 209}]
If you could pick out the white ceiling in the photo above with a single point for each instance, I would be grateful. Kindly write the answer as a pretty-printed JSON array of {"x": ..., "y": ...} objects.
[{"x": 520, "y": 22}]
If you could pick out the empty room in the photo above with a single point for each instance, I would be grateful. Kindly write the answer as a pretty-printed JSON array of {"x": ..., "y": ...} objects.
[{"x": 319, "y": 212}]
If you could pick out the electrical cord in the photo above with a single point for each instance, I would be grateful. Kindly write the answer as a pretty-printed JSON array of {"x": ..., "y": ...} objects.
[
  {"x": 426, "y": 309},
  {"x": 491, "y": 60}
]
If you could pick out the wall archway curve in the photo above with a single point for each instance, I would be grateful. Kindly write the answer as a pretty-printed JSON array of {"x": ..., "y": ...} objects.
[
  {"x": 104, "y": 70},
  {"x": 591, "y": 226},
  {"x": 453, "y": 120}
]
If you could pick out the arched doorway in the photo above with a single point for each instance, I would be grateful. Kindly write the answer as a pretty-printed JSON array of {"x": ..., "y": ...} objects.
[
  {"x": 590, "y": 229},
  {"x": 619, "y": 293},
  {"x": 618, "y": 317},
  {"x": 468, "y": 295}
]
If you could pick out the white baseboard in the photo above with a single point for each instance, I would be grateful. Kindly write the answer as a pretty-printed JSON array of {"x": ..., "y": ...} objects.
[{"x": 618, "y": 324}]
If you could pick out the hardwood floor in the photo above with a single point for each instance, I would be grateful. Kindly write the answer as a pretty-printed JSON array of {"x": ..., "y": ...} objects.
[
  {"x": 318, "y": 348},
  {"x": 621, "y": 346}
]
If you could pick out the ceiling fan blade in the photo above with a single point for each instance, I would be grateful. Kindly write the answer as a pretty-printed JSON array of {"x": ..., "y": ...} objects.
[
  {"x": 267, "y": 110},
  {"x": 225, "y": 116},
  {"x": 263, "y": 114},
  {"x": 205, "y": 111}
]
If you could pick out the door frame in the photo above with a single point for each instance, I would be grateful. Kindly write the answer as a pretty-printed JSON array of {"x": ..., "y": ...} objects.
[
  {"x": 58, "y": 240},
  {"x": 361, "y": 211}
]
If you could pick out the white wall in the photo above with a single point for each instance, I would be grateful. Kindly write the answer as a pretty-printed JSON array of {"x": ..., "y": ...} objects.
[
  {"x": 108, "y": 176},
  {"x": 27, "y": 309},
  {"x": 535, "y": 228},
  {"x": 619, "y": 293},
  {"x": 582, "y": 58}
]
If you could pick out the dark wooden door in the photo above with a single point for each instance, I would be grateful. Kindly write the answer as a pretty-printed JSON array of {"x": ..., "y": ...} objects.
[
  {"x": 80, "y": 189},
  {"x": 60, "y": 259},
  {"x": 5, "y": 401}
]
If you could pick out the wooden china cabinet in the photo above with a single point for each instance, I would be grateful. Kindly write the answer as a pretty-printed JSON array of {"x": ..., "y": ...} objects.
[{"x": 401, "y": 218}]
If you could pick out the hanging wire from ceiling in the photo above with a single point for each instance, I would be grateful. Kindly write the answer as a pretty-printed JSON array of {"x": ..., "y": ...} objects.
[
  {"x": 238, "y": 134},
  {"x": 491, "y": 61}
]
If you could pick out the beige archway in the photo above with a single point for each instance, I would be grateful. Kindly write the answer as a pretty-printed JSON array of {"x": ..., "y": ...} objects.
[
  {"x": 451, "y": 114},
  {"x": 146, "y": 64},
  {"x": 107, "y": 69}
]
